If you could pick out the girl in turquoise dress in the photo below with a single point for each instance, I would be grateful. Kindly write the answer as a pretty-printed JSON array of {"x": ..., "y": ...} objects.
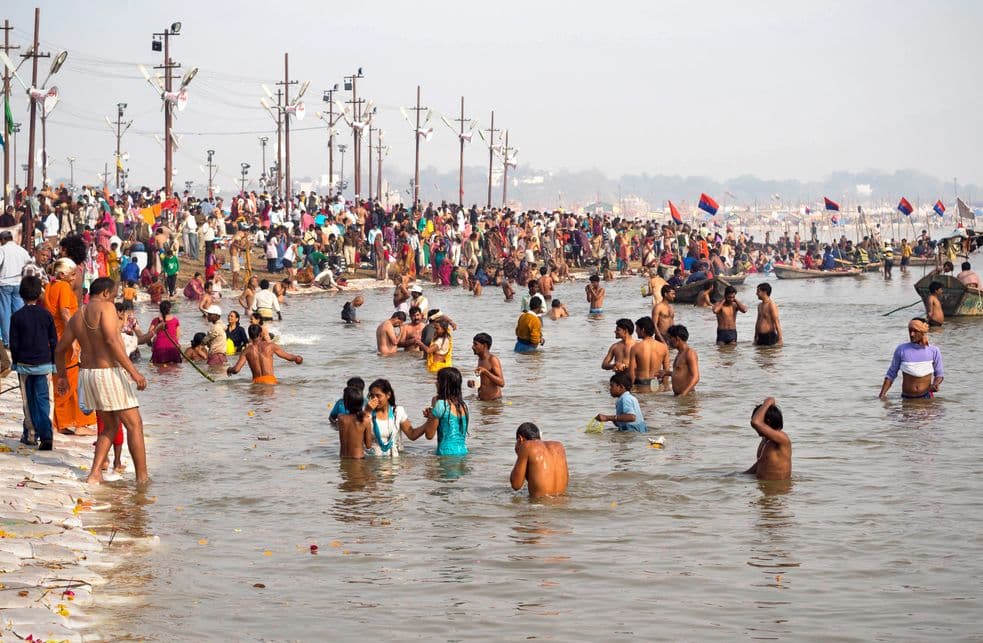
[{"x": 447, "y": 417}]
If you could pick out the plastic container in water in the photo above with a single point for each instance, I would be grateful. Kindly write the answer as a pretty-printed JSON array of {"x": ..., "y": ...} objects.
[
  {"x": 658, "y": 443},
  {"x": 594, "y": 426}
]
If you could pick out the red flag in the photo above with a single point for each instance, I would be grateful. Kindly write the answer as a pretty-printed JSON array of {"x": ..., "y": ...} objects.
[
  {"x": 674, "y": 213},
  {"x": 831, "y": 205}
]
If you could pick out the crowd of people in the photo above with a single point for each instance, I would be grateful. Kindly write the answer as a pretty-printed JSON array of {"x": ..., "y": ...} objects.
[{"x": 91, "y": 253}]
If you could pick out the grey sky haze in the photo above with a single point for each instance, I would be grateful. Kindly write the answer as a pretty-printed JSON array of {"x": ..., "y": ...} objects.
[{"x": 775, "y": 89}]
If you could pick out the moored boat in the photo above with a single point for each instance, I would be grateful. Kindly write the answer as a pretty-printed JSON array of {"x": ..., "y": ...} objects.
[
  {"x": 957, "y": 300},
  {"x": 734, "y": 280},
  {"x": 687, "y": 293},
  {"x": 783, "y": 271}
]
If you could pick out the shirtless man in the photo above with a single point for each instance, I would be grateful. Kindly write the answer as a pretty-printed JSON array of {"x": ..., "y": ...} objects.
[
  {"x": 259, "y": 353},
  {"x": 410, "y": 333},
  {"x": 541, "y": 463},
  {"x": 920, "y": 365},
  {"x": 595, "y": 295},
  {"x": 767, "y": 328},
  {"x": 647, "y": 358},
  {"x": 703, "y": 297},
  {"x": 489, "y": 369},
  {"x": 619, "y": 353},
  {"x": 238, "y": 247},
  {"x": 933, "y": 305},
  {"x": 386, "y": 338},
  {"x": 546, "y": 284},
  {"x": 558, "y": 310},
  {"x": 655, "y": 284},
  {"x": 401, "y": 295},
  {"x": 104, "y": 376},
  {"x": 686, "y": 367},
  {"x": 775, "y": 449},
  {"x": 248, "y": 294},
  {"x": 663, "y": 313},
  {"x": 726, "y": 312}
]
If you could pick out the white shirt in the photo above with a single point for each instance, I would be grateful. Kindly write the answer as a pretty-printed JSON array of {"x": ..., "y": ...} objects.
[
  {"x": 51, "y": 225},
  {"x": 13, "y": 258},
  {"x": 388, "y": 428}
]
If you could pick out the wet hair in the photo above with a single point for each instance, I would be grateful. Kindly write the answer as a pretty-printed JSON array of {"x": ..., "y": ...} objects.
[
  {"x": 449, "y": 390},
  {"x": 357, "y": 382},
  {"x": 533, "y": 283},
  {"x": 101, "y": 285},
  {"x": 264, "y": 284},
  {"x": 665, "y": 289},
  {"x": 646, "y": 325},
  {"x": 528, "y": 431},
  {"x": 556, "y": 303},
  {"x": 255, "y": 330},
  {"x": 967, "y": 266},
  {"x": 30, "y": 288},
  {"x": 400, "y": 315},
  {"x": 483, "y": 338},
  {"x": 621, "y": 379},
  {"x": 543, "y": 272},
  {"x": 197, "y": 340},
  {"x": 773, "y": 417},
  {"x": 947, "y": 266},
  {"x": 679, "y": 332},
  {"x": 164, "y": 308},
  {"x": 354, "y": 402},
  {"x": 730, "y": 290},
  {"x": 119, "y": 306},
  {"x": 414, "y": 310},
  {"x": 625, "y": 324},
  {"x": 935, "y": 286},
  {"x": 765, "y": 288},
  {"x": 595, "y": 277},
  {"x": 383, "y": 386}
]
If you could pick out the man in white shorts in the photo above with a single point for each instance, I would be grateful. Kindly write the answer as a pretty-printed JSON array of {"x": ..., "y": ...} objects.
[{"x": 105, "y": 375}]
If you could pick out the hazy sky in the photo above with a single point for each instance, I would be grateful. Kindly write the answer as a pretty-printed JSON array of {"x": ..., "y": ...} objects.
[{"x": 777, "y": 89}]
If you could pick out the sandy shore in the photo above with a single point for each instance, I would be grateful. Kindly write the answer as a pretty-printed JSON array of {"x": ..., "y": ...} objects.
[{"x": 57, "y": 540}]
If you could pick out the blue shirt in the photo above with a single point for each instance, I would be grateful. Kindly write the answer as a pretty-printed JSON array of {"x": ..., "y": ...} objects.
[
  {"x": 451, "y": 430},
  {"x": 627, "y": 404}
]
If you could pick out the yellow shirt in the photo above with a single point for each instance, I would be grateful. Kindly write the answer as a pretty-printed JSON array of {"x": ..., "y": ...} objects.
[{"x": 529, "y": 328}]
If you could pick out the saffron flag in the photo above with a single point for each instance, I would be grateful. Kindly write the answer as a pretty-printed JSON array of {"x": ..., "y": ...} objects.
[
  {"x": 904, "y": 207},
  {"x": 939, "y": 208},
  {"x": 149, "y": 215},
  {"x": 707, "y": 204},
  {"x": 674, "y": 213},
  {"x": 831, "y": 205}
]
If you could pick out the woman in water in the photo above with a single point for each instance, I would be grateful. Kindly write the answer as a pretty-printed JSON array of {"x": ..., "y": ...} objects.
[
  {"x": 439, "y": 353},
  {"x": 447, "y": 417},
  {"x": 235, "y": 332},
  {"x": 388, "y": 420},
  {"x": 166, "y": 333}
]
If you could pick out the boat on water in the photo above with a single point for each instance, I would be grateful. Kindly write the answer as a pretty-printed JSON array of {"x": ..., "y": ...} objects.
[
  {"x": 873, "y": 266},
  {"x": 957, "y": 300},
  {"x": 734, "y": 280},
  {"x": 783, "y": 271},
  {"x": 687, "y": 293},
  {"x": 920, "y": 261}
]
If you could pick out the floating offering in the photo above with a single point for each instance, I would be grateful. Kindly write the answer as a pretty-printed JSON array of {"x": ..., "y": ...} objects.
[{"x": 658, "y": 443}]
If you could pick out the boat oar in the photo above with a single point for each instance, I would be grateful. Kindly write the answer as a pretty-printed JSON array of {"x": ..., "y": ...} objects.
[
  {"x": 189, "y": 360},
  {"x": 902, "y": 308}
]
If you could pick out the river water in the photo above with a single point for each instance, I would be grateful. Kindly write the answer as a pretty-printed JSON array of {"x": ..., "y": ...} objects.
[{"x": 876, "y": 535}]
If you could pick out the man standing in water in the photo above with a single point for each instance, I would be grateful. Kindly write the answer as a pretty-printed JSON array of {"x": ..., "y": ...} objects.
[
  {"x": 410, "y": 333},
  {"x": 541, "y": 463},
  {"x": 686, "y": 367},
  {"x": 646, "y": 357},
  {"x": 259, "y": 355},
  {"x": 489, "y": 369},
  {"x": 386, "y": 340},
  {"x": 933, "y": 305},
  {"x": 767, "y": 328},
  {"x": 920, "y": 365},
  {"x": 663, "y": 313},
  {"x": 619, "y": 353},
  {"x": 774, "y": 460},
  {"x": 104, "y": 376},
  {"x": 726, "y": 312},
  {"x": 266, "y": 303},
  {"x": 595, "y": 295}
]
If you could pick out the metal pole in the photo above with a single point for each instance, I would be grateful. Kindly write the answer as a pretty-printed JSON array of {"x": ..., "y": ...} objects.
[
  {"x": 211, "y": 153},
  {"x": 119, "y": 134},
  {"x": 378, "y": 149},
  {"x": 168, "y": 159},
  {"x": 505, "y": 171},
  {"x": 6, "y": 129},
  {"x": 491, "y": 155},
  {"x": 460, "y": 172},
  {"x": 29, "y": 220},
  {"x": 262, "y": 143},
  {"x": 279, "y": 142},
  {"x": 370, "y": 163},
  {"x": 44, "y": 150},
  {"x": 331, "y": 185},
  {"x": 286, "y": 128},
  {"x": 416, "y": 162},
  {"x": 356, "y": 138}
]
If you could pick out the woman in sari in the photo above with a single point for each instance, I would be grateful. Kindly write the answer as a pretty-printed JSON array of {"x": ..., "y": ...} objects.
[
  {"x": 164, "y": 336},
  {"x": 61, "y": 302}
]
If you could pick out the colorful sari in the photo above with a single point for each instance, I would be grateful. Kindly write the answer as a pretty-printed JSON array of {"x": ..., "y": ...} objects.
[{"x": 68, "y": 416}]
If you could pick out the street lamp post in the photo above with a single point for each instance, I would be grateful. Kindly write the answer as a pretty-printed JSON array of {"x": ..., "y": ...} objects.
[
  {"x": 329, "y": 99},
  {"x": 245, "y": 170},
  {"x": 352, "y": 86},
  {"x": 71, "y": 174},
  {"x": 341, "y": 181},
  {"x": 263, "y": 140},
  {"x": 211, "y": 155},
  {"x": 173, "y": 30}
]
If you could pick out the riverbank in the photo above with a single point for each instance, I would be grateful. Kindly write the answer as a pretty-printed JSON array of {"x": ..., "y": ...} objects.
[{"x": 57, "y": 536}]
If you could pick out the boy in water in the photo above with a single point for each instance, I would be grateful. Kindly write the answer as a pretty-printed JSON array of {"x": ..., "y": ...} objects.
[
  {"x": 686, "y": 367},
  {"x": 767, "y": 328},
  {"x": 627, "y": 412},
  {"x": 489, "y": 369},
  {"x": 339, "y": 406},
  {"x": 775, "y": 450},
  {"x": 558, "y": 310},
  {"x": 595, "y": 295},
  {"x": 543, "y": 464},
  {"x": 355, "y": 427}
]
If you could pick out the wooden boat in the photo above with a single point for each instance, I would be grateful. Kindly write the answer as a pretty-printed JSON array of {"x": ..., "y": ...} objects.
[
  {"x": 687, "y": 293},
  {"x": 783, "y": 271},
  {"x": 873, "y": 266},
  {"x": 957, "y": 300},
  {"x": 919, "y": 261},
  {"x": 733, "y": 280}
]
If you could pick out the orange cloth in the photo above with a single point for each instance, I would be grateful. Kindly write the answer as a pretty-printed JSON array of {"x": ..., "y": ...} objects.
[
  {"x": 264, "y": 379},
  {"x": 58, "y": 295}
]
